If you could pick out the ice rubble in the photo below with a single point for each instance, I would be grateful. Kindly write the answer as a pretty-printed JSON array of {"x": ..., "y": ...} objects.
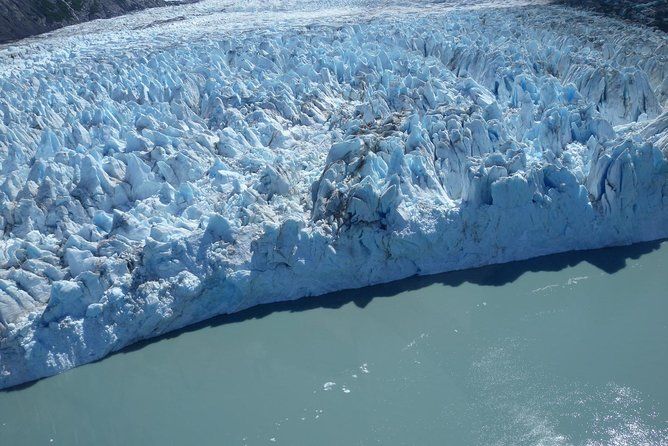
[{"x": 143, "y": 191}]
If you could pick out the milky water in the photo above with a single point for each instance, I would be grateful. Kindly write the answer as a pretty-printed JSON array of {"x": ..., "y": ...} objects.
[{"x": 568, "y": 349}]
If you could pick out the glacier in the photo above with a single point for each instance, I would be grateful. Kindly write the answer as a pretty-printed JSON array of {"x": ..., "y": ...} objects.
[{"x": 168, "y": 166}]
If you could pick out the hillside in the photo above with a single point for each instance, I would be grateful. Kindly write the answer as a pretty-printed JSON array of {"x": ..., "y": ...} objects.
[
  {"x": 23, "y": 18},
  {"x": 648, "y": 12}
]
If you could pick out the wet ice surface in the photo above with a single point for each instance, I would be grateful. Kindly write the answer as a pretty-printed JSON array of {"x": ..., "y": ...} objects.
[
  {"x": 477, "y": 357},
  {"x": 171, "y": 165}
]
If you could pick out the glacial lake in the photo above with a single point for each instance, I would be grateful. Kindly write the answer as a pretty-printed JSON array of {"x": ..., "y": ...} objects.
[{"x": 570, "y": 349}]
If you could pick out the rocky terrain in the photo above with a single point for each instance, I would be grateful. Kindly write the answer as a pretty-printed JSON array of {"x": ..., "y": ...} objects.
[
  {"x": 647, "y": 12},
  {"x": 23, "y": 18}
]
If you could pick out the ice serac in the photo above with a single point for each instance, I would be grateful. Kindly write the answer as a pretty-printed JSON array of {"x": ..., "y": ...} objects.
[{"x": 147, "y": 187}]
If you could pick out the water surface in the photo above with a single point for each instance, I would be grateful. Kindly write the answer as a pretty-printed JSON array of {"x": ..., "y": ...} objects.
[{"x": 564, "y": 350}]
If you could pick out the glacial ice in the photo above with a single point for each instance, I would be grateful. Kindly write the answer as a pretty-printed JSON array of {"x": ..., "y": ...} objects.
[{"x": 159, "y": 176}]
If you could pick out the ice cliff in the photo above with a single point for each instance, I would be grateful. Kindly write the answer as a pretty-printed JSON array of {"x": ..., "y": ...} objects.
[{"x": 144, "y": 187}]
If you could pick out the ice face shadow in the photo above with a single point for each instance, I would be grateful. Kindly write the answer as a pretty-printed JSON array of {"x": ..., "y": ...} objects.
[{"x": 608, "y": 260}]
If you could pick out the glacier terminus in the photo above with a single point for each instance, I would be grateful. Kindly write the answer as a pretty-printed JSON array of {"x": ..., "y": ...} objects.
[{"x": 167, "y": 166}]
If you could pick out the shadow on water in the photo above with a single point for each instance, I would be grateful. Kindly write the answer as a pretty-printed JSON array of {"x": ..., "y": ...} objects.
[{"x": 609, "y": 260}]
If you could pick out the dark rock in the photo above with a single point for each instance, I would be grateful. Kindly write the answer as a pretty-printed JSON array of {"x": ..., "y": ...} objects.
[
  {"x": 24, "y": 18},
  {"x": 647, "y": 12}
]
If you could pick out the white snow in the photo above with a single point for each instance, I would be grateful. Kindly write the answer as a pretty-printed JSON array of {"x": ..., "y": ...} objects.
[{"x": 161, "y": 168}]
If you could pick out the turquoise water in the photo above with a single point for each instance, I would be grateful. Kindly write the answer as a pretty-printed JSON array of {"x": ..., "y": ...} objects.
[{"x": 565, "y": 350}]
